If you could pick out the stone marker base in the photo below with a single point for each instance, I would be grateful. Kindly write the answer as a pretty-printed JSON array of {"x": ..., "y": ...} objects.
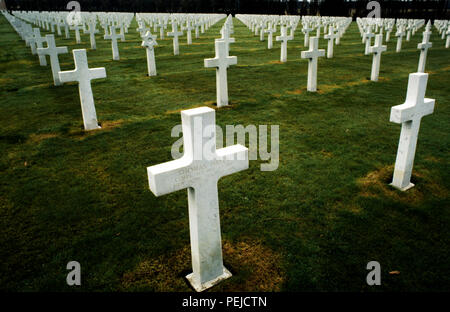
[
  {"x": 201, "y": 287},
  {"x": 411, "y": 185}
]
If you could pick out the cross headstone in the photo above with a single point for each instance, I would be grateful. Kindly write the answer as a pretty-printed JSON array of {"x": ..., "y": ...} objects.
[
  {"x": 113, "y": 36},
  {"x": 198, "y": 171},
  {"x": 77, "y": 33},
  {"x": 330, "y": 37},
  {"x": 270, "y": 32},
  {"x": 225, "y": 32},
  {"x": 306, "y": 30},
  {"x": 447, "y": 41},
  {"x": 83, "y": 75},
  {"x": 284, "y": 39},
  {"x": 92, "y": 31},
  {"x": 221, "y": 62},
  {"x": 409, "y": 115},
  {"x": 424, "y": 46},
  {"x": 53, "y": 51},
  {"x": 188, "y": 29},
  {"x": 148, "y": 42},
  {"x": 39, "y": 41},
  {"x": 175, "y": 34},
  {"x": 400, "y": 33},
  {"x": 368, "y": 35},
  {"x": 377, "y": 49},
  {"x": 312, "y": 55}
]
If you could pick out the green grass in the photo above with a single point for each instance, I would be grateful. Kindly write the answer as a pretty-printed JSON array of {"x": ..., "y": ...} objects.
[{"x": 311, "y": 225}]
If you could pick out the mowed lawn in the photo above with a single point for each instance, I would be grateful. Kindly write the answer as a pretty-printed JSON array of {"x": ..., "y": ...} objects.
[{"x": 311, "y": 225}]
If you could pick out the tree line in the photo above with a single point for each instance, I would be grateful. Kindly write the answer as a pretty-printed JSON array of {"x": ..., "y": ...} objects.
[{"x": 428, "y": 9}]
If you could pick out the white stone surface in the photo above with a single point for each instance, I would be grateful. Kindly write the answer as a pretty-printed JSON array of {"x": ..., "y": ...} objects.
[
  {"x": 175, "y": 34},
  {"x": 113, "y": 36},
  {"x": 409, "y": 115},
  {"x": 198, "y": 171},
  {"x": 330, "y": 37},
  {"x": 53, "y": 51},
  {"x": 377, "y": 49},
  {"x": 222, "y": 61},
  {"x": 83, "y": 75},
  {"x": 312, "y": 55},
  {"x": 149, "y": 42},
  {"x": 284, "y": 38}
]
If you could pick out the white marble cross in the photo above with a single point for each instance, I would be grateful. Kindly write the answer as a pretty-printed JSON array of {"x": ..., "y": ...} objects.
[
  {"x": 377, "y": 49},
  {"x": 409, "y": 115},
  {"x": 225, "y": 32},
  {"x": 175, "y": 34},
  {"x": 368, "y": 35},
  {"x": 284, "y": 39},
  {"x": 53, "y": 52},
  {"x": 447, "y": 41},
  {"x": 39, "y": 41},
  {"x": 400, "y": 33},
  {"x": 198, "y": 171},
  {"x": 113, "y": 36},
  {"x": 188, "y": 29},
  {"x": 77, "y": 33},
  {"x": 312, "y": 55},
  {"x": 330, "y": 37},
  {"x": 306, "y": 30},
  {"x": 83, "y": 75},
  {"x": 270, "y": 32},
  {"x": 423, "y": 47},
  {"x": 222, "y": 61},
  {"x": 92, "y": 31},
  {"x": 148, "y": 42}
]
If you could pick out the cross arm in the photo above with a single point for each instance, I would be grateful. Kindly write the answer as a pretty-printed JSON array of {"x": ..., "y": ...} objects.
[
  {"x": 68, "y": 76},
  {"x": 212, "y": 62},
  {"x": 169, "y": 177},
  {"x": 232, "y": 60},
  {"x": 97, "y": 73},
  {"x": 232, "y": 159},
  {"x": 405, "y": 112}
]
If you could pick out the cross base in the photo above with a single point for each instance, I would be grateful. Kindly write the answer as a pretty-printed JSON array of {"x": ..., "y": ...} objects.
[
  {"x": 96, "y": 128},
  {"x": 201, "y": 287},
  {"x": 403, "y": 189}
]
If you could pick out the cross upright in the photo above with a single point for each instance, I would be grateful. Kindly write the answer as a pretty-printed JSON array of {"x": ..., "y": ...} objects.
[
  {"x": 225, "y": 32},
  {"x": 409, "y": 115},
  {"x": 447, "y": 41},
  {"x": 92, "y": 30},
  {"x": 188, "y": 29},
  {"x": 368, "y": 35},
  {"x": 31, "y": 40},
  {"x": 312, "y": 55},
  {"x": 284, "y": 39},
  {"x": 161, "y": 25},
  {"x": 148, "y": 42},
  {"x": 377, "y": 49},
  {"x": 39, "y": 41},
  {"x": 222, "y": 61},
  {"x": 83, "y": 75},
  {"x": 330, "y": 37},
  {"x": 175, "y": 34},
  {"x": 423, "y": 47},
  {"x": 270, "y": 32},
  {"x": 53, "y": 52},
  {"x": 400, "y": 33},
  {"x": 198, "y": 171},
  {"x": 306, "y": 30},
  {"x": 113, "y": 36},
  {"x": 77, "y": 32}
]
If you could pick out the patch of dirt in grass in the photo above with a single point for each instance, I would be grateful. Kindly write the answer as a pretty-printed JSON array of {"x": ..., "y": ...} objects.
[
  {"x": 111, "y": 124},
  {"x": 254, "y": 268},
  {"x": 295, "y": 92},
  {"x": 276, "y": 62},
  {"x": 377, "y": 182},
  {"x": 329, "y": 88},
  {"x": 37, "y": 138}
]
